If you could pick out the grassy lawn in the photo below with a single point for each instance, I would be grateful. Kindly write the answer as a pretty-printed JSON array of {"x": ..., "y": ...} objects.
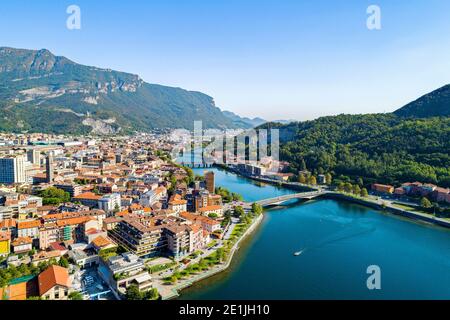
[{"x": 409, "y": 208}]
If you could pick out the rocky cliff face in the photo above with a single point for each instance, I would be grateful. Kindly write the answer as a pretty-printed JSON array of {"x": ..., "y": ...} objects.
[{"x": 42, "y": 83}]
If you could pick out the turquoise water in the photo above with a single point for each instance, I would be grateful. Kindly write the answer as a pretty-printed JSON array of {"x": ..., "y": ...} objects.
[{"x": 338, "y": 242}]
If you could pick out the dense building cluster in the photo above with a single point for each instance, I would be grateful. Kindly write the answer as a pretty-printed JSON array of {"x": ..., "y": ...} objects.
[{"x": 109, "y": 204}]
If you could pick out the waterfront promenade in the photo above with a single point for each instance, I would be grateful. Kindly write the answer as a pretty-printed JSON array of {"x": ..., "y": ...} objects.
[{"x": 168, "y": 292}]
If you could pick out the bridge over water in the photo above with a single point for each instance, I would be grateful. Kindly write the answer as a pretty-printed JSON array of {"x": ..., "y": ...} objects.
[{"x": 302, "y": 195}]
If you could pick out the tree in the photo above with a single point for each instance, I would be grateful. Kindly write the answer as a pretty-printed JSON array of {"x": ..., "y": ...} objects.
[
  {"x": 312, "y": 180},
  {"x": 63, "y": 262},
  {"x": 133, "y": 293},
  {"x": 302, "y": 178},
  {"x": 238, "y": 211},
  {"x": 236, "y": 197},
  {"x": 75, "y": 295},
  {"x": 203, "y": 264},
  {"x": 356, "y": 190},
  {"x": 348, "y": 187},
  {"x": 341, "y": 187},
  {"x": 425, "y": 203},
  {"x": 360, "y": 182},
  {"x": 54, "y": 196},
  {"x": 364, "y": 193},
  {"x": 303, "y": 165},
  {"x": 152, "y": 294},
  {"x": 328, "y": 179},
  {"x": 257, "y": 209},
  {"x": 190, "y": 173},
  {"x": 220, "y": 254}
]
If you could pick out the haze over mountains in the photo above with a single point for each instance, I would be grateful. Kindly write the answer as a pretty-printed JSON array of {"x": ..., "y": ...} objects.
[{"x": 43, "y": 92}]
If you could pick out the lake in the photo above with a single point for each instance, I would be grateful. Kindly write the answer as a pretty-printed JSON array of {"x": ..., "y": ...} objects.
[{"x": 338, "y": 241}]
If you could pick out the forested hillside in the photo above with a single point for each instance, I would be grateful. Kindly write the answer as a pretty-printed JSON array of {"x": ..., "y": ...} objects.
[{"x": 380, "y": 147}]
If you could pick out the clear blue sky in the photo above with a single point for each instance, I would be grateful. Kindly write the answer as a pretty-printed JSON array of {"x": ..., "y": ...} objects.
[{"x": 269, "y": 58}]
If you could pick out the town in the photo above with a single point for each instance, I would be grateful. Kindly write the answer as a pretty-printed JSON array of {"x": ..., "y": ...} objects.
[
  {"x": 99, "y": 218},
  {"x": 112, "y": 218}
]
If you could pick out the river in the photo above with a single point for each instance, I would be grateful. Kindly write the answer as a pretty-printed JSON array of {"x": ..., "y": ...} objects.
[{"x": 338, "y": 241}]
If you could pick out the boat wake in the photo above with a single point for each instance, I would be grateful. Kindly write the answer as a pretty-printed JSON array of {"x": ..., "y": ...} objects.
[
  {"x": 299, "y": 253},
  {"x": 346, "y": 234}
]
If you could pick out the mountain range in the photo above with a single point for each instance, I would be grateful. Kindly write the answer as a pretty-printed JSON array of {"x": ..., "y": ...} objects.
[{"x": 43, "y": 92}]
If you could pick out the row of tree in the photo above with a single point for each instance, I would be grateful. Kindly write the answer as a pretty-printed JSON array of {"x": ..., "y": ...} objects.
[
  {"x": 377, "y": 147},
  {"x": 354, "y": 189}
]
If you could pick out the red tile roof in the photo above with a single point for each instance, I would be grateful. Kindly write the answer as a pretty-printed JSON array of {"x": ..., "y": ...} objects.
[
  {"x": 28, "y": 224},
  {"x": 54, "y": 275}
]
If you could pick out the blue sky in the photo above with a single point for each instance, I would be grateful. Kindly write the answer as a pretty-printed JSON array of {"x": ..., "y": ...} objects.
[{"x": 270, "y": 58}]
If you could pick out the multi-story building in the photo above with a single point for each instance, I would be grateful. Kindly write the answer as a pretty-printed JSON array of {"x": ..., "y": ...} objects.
[
  {"x": 208, "y": 224},
  {"x": 73, "y": 189},
  {"x": 49, "y": 168},
  {"x": 49, "y": 234},
  {"x": 142, "y": 240},
  {"x": 177, "y": 204},
  {"x": 6, "y": 213},
  {"x": 5, "y": 243},
  {"x": 214, "y": 200},
  {"x": 88, "y": 199},
  {"x": 179, "y": 240},
  {"x": 28, "y": 228},
  {"x": 381, "y": 188},
  {"x": 201, "y": 200},
  {"x": 110, "y": 202},
  {"x": 151, "y": 197},
  {"x": 12, "y": 170},
  {"x": 34, "y": 157},
  {"x": 147, "y": 237},
  {"x": 22, "y": 244},
  {"x": 210, "y": 181},
  {"x": 209, "y": 210},
  {"x": 70, "y": 227},
  {"x": 122, "y": 271}
]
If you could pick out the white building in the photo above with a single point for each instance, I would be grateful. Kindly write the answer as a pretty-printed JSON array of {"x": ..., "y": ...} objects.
[
  {"x": 151, "y": 197},
  {"x": 110, "y": 202}
]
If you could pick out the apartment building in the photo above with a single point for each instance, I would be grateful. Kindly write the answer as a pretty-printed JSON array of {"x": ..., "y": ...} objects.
[
  {"x": 143, "y": 239},
  {"x": 88, "y": 199},
  {"x": 73, "y": 189},
  {"x": 177, "y": 204},
  {"x": 122, "y": 271},
  {"x": 211, "y": 210},
  {"x": 12, "y": 170},
  {"x": 110, "y": 202},
  {"x": 5, "y": 243}
]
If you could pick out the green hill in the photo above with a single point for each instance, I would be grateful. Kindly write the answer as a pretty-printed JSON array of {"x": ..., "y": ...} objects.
[
  {"x": 377, "y": 147},
  {"x": 43, "y": 92},
  {"x": 434, "y": 104}
]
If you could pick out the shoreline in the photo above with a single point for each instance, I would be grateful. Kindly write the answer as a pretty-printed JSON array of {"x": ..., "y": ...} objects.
[
  {"x": 177, "y": 290},
  {"x": 410, "y": 215}
]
